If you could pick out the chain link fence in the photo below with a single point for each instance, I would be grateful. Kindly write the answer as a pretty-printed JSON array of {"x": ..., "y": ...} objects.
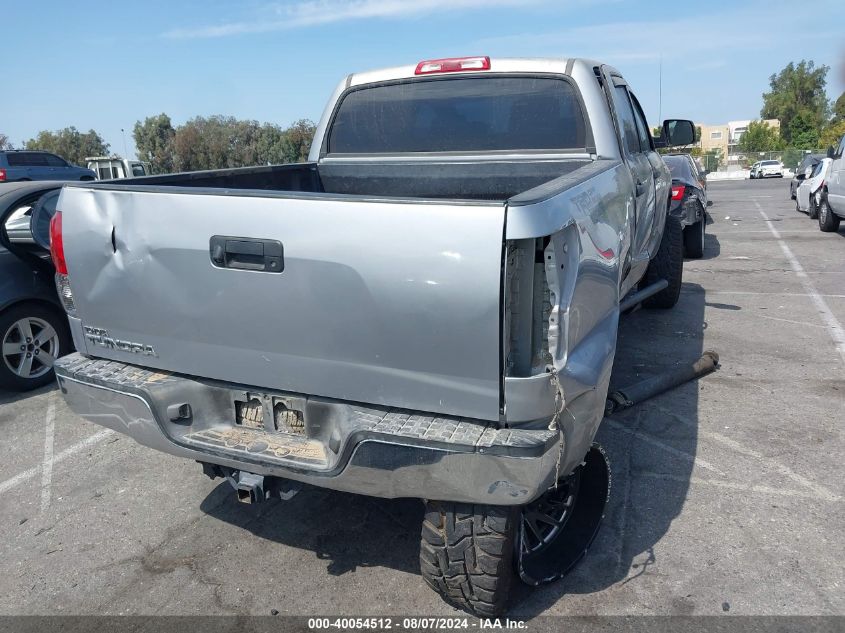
[{"x": 789, "y": 157}]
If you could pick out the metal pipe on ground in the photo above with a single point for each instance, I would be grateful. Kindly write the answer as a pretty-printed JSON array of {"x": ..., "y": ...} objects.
[{"x": 645, "y": 389}]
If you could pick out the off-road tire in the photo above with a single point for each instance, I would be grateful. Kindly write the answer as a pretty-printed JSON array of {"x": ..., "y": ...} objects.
[
  {"x": 667, "y": 264},
  {"x": 828, "y": 222},
  {"x": 466, "y": 554}
]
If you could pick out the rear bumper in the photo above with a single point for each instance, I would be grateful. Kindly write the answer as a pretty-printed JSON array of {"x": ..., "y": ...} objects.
[
  {"x": 688, "y": 211},
  {"x": 345, "y": 446}
]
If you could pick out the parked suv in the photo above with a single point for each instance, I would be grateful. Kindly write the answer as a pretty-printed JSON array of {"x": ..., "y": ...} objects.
[
  {"x": 832, "y": 200},
  {"x": 16, "y": 164}
]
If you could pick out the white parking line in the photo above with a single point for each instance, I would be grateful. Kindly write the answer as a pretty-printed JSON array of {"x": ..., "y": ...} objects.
[
  {"x": 834, "y": 328},
  {"x": 729, "y": 233},
  {"x": 697, "y": 461},
  {"x": 764, "y": 294},
  {"x": 733, "y": 485},
  {"x": 47, "y": 463},
  {"x": 68, "y": 452}
]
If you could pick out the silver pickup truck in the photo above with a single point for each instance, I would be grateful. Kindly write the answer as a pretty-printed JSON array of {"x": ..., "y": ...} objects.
[{"x": 427, "y": 308}]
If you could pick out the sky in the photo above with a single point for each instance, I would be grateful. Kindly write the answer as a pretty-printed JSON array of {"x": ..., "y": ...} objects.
[{"x": 107, "y": 65}]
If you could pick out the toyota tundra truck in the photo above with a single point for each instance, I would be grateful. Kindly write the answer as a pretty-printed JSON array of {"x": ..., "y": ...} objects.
[{"x": 426, "y": 308}]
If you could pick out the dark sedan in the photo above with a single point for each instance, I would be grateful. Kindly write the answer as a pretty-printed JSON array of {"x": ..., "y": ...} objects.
[
  {"x": 33, "y": 325},
  {"x": 689, "y": 201}
]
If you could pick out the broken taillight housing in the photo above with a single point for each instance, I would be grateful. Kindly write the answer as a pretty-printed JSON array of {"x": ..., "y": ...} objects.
[{"x": 57, "y": 253}]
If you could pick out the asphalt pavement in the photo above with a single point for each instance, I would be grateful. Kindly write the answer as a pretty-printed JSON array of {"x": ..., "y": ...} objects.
[{"x": 726, "y": 498}]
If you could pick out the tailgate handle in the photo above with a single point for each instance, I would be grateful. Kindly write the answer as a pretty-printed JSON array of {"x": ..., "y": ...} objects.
[{"x": 246, "y": 253}]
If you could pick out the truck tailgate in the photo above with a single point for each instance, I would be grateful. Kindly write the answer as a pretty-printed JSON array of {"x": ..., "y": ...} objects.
[{"x": 386, "y": 302}]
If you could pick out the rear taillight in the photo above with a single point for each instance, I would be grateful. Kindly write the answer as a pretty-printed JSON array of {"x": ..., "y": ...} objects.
[
  {"x": 678, "y": 192},
  {"x": 2, "y": 175},
  {"x": 57, "y": 247},
  {"x": 57, "y": 252},
  {"x": 452, "y": 65}
]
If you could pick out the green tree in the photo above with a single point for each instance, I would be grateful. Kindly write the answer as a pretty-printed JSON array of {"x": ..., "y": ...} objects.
[
  {"x": 218, "y": 142},
  {"x": 804, "y": 131},
  {"x": 839, "y": 108},
  {"x": 70, "y": 144},
  {"x": 154, "y": 142},
  {"x": 5, "y": 143},
  {"x": 300, "y": 135},
  {"x": 797, "y": 89},
  {"x": 760, "y": 137},
  {"x": 832, "y": 134}
]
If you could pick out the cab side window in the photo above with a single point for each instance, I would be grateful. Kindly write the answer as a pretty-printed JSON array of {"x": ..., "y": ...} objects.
[
  {"x": 642, "y": 125},
  {"x": 627, "y": 122}
]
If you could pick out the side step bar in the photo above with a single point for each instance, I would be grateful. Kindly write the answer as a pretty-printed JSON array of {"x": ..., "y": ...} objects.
[{"x": 641, "y": 295}]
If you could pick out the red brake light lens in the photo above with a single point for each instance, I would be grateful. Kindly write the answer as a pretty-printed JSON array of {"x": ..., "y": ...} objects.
[
  {"x": 2, "y": 175},
  {"x": 57, "y": 247},
  {"x": 452, "y": 65},
  {"x": 678, "y": 192}
]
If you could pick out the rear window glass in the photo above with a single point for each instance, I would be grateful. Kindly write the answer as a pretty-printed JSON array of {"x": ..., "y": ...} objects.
[
  {"x": 678, "y": 165},
  {"x": 460, "y": 115},
  {"x": 770, "y": 162}
]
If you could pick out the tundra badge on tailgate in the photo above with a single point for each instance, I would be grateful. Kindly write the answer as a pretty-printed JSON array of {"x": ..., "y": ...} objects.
[{"x": 100, "y": 336}]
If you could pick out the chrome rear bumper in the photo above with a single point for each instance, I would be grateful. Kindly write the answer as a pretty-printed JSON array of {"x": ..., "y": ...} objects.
[{"x": 344, "y": 446}]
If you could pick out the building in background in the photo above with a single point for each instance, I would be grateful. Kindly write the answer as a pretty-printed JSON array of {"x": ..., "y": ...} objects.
[{"x": 726, "y": 137}]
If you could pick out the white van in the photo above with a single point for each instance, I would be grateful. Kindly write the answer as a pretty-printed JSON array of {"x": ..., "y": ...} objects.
[{"x": 111, "y": 167}]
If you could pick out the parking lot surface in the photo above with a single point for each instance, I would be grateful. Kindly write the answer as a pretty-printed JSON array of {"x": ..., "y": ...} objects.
[{"x": 726, "y": 498}]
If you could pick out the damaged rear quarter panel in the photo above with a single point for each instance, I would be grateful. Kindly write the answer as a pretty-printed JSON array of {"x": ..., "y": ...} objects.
[{"x": 587, "y": 219}]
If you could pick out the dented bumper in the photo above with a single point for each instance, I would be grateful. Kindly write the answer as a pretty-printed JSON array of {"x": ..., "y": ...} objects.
[{"x": 340, "y": 445}]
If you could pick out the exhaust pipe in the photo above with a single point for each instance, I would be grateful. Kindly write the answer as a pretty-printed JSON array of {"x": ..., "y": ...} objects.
[{"x": 643, "y": 390}]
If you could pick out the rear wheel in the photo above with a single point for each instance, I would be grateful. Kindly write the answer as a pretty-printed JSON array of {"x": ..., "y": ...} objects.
[
  {"x": 667, "y": 264},
  {"x": 466, "y": 554},
  {"x": 828, "y": 222},
  {"x": 33, "y": 337},
  {"x": 812, "y": 209}
]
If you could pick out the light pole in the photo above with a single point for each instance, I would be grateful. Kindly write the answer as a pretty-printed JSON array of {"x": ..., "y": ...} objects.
[{"x": 125, "y": 153}]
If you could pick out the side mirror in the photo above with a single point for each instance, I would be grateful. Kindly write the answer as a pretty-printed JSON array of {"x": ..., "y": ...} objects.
[
  {"x": 678, "y": 132},
  {"x": 831, "y": 152},
  {"x": 42, "y": 213}
]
